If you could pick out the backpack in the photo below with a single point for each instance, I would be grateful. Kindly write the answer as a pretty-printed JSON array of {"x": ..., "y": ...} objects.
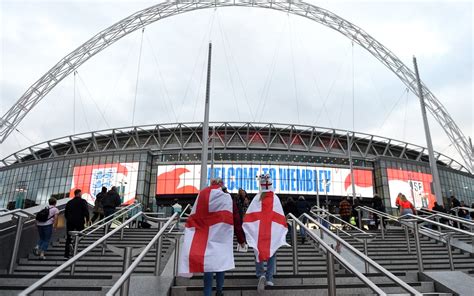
[{"x": 43, "y": 215}]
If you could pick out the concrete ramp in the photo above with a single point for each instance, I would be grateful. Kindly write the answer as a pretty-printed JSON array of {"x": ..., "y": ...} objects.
[{"x": 452, "y": 281}]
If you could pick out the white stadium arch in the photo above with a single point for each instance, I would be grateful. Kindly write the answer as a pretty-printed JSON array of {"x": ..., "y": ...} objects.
[{"x": 140, "y": 19}]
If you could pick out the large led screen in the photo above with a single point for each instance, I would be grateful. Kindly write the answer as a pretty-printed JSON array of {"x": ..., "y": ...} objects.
[
  {"x": 91, "y": 178},
  {"x": 414, "y": 185},
  {"x": 185, "y": 179}
]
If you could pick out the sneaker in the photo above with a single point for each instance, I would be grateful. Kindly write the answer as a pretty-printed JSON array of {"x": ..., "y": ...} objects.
[
  {"x": 42, "y": 257},
  {"x": 269, "y": 283},
  {"x": 261, "y": 284}
]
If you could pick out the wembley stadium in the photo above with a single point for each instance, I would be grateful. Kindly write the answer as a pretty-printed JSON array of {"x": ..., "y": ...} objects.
[{"x": 158, "y": 163}]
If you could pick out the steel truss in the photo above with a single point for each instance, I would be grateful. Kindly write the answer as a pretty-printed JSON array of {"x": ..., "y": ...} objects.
[
  {"x": 230, "y": 137},
  {"x": 105, "y": 38}
]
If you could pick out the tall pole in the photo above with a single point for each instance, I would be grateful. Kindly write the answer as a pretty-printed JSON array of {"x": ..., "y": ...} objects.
[
  {"x": 205, "y": 125},
  {"x": 349, "y": 150},
  {"x": 213, "y": 139},
  {"x": 434, "y": 168}
]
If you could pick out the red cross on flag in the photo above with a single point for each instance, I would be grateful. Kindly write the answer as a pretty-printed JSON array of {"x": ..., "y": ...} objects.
[
  {"x": 208, "y": 234},
  {"x": 265, "y": 225}
]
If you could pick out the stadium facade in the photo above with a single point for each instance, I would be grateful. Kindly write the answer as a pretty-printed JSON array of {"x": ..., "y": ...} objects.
[{"x": 163, "y": 161}]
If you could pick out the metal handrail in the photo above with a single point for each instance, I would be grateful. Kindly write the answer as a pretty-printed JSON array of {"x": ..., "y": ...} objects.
[
  {"x": 337, "y": 218},
  {"x": 38, "y": 284},
  {"x": 453, "y": 229},
  {"x": 179, "y": 218},
  {"x": 106, "y": 220},
  {"x": 331, "y": 254},
  {"x": 434, "y": 214},
  {"x": 463, "y": 208},
  {"x": 127, "y": 273},
  {"x": 15, "y": 211},
  {"x": 366, "y": 259}
]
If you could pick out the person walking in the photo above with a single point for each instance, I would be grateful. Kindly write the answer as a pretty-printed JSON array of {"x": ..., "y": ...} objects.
[
  {"x": 303, "y": 208},
  {"x": 377, "y": 204},
  {"x": 406, "y": 207},
  {"x": 98, "y": 208},
  {"x": 242, "y": 202},
  {"x": 290, "y": 208},
  {"x": 111, "y": 201},
  {"x": 205, "y": 251},
  {"x": 77, "y": 215},
  {"x": 265, "y": 228},
  {"x": 345, "y": 211},
  {"x": 46, "y": 228}
]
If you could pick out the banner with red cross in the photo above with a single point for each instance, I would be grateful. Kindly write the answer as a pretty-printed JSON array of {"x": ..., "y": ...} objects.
[
  {"x": 208, "y": 235},
  {"x": 265, "y": 224}
]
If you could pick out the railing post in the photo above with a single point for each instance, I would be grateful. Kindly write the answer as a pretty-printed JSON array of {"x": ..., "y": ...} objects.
[
  {"x": 438, "y": 220},
  {"x": 457, "y": 215},
  {"x": 176, "y": 255},
  {"x": 16, "y": 244},
  {"x": 450, "y": 251},
  {"x": 159, "y": 245},
  {"x": 382, "y": 227},
  {"x": 407, "y": 238},
  {"x": 121, "y": 230},
  {"x": 366, "y": 251},
  {"x": 127, "y": 260},
  {"x": 104, "y": 244},
  {"x": 331, "y": 274},
  {"x": 294, "y": 247},
  {"x": 359, "y": 215},
  {"x": 418, "y": 246},
  {"x": 76, "y": 246}
]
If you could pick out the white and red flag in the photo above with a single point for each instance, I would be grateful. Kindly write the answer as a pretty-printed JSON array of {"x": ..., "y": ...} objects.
[
  {"x": 265, "y": 224},
  {"x": 208, "y": 234}
]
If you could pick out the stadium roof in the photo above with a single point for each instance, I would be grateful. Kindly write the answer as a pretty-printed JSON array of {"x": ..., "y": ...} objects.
[{"x": 229, "y": 136}]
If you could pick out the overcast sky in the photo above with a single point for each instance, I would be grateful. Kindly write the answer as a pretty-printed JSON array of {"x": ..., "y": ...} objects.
[{"x": 267, "y": 66}]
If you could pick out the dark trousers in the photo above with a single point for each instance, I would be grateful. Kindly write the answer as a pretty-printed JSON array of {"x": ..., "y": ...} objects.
[
  {"x": 71, "y": 227},
  {"x": 97, "y": 215},
  {"x": 109, "y": 212}
]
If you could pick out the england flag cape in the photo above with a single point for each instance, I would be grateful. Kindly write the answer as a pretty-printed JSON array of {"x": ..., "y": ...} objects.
[
  {"x": 208, "y": 234},
  {"x": 265, "y": 225}
]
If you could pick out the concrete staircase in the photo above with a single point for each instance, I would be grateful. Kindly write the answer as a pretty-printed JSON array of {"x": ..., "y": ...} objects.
[
  {"x": 392, "y": 253},
  {"x": 311, "y": 280},
  {"x": 94, "y": 274}
]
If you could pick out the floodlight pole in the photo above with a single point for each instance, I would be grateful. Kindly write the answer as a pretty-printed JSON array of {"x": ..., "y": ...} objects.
[
  {"x": 434, "y": 168},
  {"x": 205, "y": 125},
  {"x": 349, "y": 151}
]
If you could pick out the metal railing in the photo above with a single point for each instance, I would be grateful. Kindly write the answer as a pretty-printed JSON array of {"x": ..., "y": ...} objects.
[
  {"x": 104, "y": 223},
  {"x": 123, "y": 283},
  {"x": 45, "y": 279},
  {"x": 332, "y": 255},
  {"x": 438, "y": 216},
  {"x": 415, "y": 222},
  {"x": 178, "y": 219},
  {"x": 316, "y": 211}
]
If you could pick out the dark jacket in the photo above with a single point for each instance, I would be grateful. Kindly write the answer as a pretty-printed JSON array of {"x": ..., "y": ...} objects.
[
  {"x": 111, "y": 200},
  {"x": 303, "y": 207},
  {"x": 98, "y": 208},
  {"x": 290, "y": 208},
  {"x": 377, "y": 204},
  {"x": 77, "y": 211}
]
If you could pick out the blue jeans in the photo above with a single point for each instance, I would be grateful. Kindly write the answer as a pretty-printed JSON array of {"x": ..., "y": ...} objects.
[
  {"x": 270, "y": 268},
  {"x": 302, "y": 230},
  {"x": 208, "y": 282},
  {"x": 45, "y": 233}
]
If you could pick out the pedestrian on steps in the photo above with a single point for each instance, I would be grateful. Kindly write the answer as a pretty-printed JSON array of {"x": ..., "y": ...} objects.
[
  {"x": 98, "y": 208},
  {"x": 46, "y": 228},
  {"x": 406, "y": 207},
  {"x": 303, "y": 208},
  {"x": 345, "y": 211},
  {"x": 111, "y": 201},
  {"x": 77, "y": 215}
]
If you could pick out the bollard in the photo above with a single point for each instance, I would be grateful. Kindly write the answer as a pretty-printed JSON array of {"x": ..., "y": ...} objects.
[
  {"x": 331, "y": 274},
  {"x": 418, "y": 247},
  {"x": 450, "y": 251},
  {"x": 294, "y": 246},
  {"x": 127, "y": 260},
  {"x": 76, "y": 246},
  {"x": 407, "y": 238},
  {"x": 366, "y": 252},
  {"x": 16, "y": 244},
  {"x": 176, "y": 255},
  {"x": 159, "y": 245}
]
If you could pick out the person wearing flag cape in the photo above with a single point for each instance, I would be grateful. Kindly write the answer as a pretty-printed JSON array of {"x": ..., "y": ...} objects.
[
  {"x": 265, "y": 230},
  {"x": 208, "y": 237}
]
